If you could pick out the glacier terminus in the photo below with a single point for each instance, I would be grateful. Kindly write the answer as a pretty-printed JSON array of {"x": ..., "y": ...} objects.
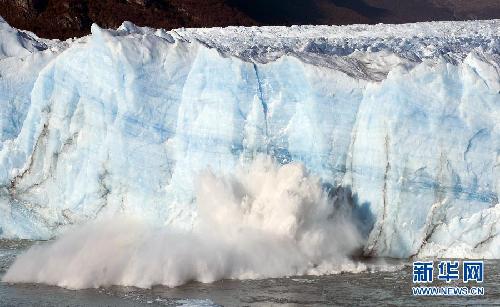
[{"x": 399, "y": 122}]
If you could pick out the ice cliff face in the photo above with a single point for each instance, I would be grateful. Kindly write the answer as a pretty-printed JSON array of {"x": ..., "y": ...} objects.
[{"x": 401, "y": 122}]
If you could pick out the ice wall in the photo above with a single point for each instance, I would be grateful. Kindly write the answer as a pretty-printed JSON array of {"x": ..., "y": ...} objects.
[{"x": 402, "y": 122}]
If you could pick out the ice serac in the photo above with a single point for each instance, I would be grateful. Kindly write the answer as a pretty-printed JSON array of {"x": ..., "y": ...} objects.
[
  {"x": 22, "y": 56},
  {"x": 402, "y": 122}
]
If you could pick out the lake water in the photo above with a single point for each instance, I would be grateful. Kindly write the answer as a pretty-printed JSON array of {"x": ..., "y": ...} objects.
[{"x": 362, "y": 289}]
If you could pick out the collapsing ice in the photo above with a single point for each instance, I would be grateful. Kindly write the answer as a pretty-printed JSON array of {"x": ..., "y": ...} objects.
[{"x": 265, "y": 221}]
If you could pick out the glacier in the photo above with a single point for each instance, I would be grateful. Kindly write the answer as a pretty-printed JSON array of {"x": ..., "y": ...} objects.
[{"x": 402, "y": 122}]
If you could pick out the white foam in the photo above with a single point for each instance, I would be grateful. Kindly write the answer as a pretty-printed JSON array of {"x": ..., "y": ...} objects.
[{"x": 263, "y": 221}]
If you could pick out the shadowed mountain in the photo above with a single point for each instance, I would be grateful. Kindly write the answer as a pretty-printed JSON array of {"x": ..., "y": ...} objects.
[
  {"x": 361, "y": 7},
  {"x": 308, "y": 12},
  {"x": 279, "y": 11}
]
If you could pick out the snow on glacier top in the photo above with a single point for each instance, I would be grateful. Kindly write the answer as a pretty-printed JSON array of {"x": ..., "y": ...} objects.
[
  {"x": 417, "y": 40},
  {"x": 451, "y": 40},
  {"x": 366, "y": 52},
  {"x": 361, "y": 51},
  {"x": 18, "y": 43}
]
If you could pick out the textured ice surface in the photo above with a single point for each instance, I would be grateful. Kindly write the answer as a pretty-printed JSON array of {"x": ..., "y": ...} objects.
[
  {"x": 22, "y": 56},
  {"x": 402, "y": 122}
]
